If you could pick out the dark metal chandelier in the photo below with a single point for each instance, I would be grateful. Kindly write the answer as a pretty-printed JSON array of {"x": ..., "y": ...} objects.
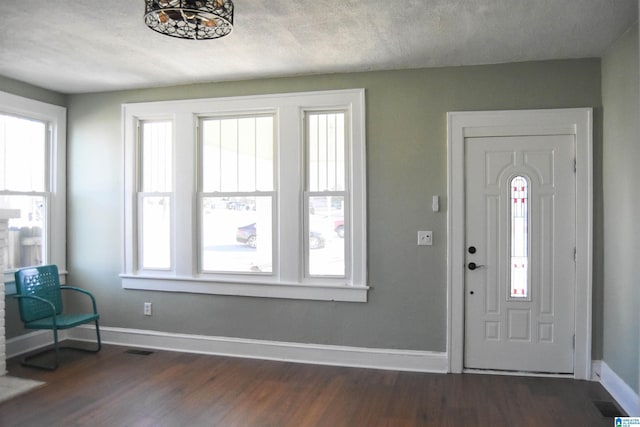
[{"x": 190, "y": 19}]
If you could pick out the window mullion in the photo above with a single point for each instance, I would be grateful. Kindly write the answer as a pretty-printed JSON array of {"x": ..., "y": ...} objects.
[
  {"x": 184, "y": 188},
  {"x": 289, "y": 199}
]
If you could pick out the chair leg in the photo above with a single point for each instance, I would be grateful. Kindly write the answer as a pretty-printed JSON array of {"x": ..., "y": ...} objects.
[
  {"x": 98, "y": 339},
  {"x": 56, "y": 346},
  {"x": 26, "y": 361}
]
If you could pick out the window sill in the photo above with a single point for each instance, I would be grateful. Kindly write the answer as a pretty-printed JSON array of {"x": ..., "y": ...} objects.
[
  {"x": 318, "y": 292},
  {"x": 10, "y": 283}
]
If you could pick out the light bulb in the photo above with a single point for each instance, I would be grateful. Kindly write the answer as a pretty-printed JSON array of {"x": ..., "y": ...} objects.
[{"x": 208, "y": 22}]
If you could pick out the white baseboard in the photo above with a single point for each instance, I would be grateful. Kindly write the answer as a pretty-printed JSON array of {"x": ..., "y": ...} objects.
[
  {"x": 31, "y": 341},
  {"x": 596, "y": 370},
  {"x": 400, "y": 360},
  {"x": 626, "y": 397}
]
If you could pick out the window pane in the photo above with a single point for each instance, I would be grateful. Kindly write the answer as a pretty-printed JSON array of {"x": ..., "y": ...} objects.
[
  {"x": 156, "y": 232},
  {"x": 237, "y": 154},
  {"x": 25, "y": 237},
  {"x": 326, "y": 151},
  {"x": 22, "y": 154},
  {"x": 156, "y": 177},
  {"x": 519, "y": 238},
  {"x": 326, "y": 245},
  {"x": 237, "y": 234},
  {"x": 326, "y": 169},
  {"x": 237, "y": 157},
  {"x": 156, "y": 156}
]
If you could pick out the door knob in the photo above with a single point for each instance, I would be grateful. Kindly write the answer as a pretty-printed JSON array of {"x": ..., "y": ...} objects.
[{"x": 473, "y": 266}]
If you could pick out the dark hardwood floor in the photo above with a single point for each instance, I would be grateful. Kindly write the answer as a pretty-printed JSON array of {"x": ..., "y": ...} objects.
[{"x": 117, "y": 388}]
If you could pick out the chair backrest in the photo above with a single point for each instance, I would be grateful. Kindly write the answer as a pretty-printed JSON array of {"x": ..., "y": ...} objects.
[{"x": 42, "y": 281}]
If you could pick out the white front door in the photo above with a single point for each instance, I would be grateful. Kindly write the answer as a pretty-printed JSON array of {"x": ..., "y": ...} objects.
[{"x": 520, "y": 236}]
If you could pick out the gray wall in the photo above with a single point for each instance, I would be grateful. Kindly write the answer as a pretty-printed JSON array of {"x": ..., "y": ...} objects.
[
  {"x": 621, "y": 155},
  {"x": 406, "y": 137},
  {"x": 16, "y": 87}
]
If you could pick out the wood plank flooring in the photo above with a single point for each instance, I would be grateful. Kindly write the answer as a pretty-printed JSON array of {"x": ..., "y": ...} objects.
[{"x": 117, "y": 388}]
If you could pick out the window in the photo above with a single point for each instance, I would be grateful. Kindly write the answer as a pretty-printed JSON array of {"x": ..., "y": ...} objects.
[
  {"x": 154, "y": 197},
  {"x": 519, "y": 238},
  {"x": 32, "y": 179},
  {"x": 237, "y": 194},
  {"x": 326, "y": 192},
  {"x": 258, "y": 196}
]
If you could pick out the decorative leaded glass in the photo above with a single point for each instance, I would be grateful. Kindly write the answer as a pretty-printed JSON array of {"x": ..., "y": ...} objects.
[{"x": 519, "y": 237}]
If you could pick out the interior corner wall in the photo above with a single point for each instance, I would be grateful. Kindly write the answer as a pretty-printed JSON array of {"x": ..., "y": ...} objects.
[
  {"x": 406, "y": 166},
  {"x": 621, "y": 174},
  {"x": 25, "y": 90}
]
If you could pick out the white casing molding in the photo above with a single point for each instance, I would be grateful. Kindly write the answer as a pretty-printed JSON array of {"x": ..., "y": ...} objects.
[
  {"x": 577, "y": 122},
  {"x": 288, "y": 278}
]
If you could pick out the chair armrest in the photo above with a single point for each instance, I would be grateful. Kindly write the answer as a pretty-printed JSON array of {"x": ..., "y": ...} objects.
[
  {"x": 84, "y": 291},
  {"x": 49, "y": 303}
]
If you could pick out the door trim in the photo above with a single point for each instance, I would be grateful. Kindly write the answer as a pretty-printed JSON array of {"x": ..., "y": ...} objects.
[{"x": 577, "y": 122}]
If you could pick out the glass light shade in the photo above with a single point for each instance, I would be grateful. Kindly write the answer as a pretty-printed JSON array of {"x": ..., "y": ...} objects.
[{"x": 190, "y": 19}]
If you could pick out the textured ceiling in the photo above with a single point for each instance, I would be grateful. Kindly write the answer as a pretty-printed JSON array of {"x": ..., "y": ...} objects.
[{"x": 75, "y": 46}]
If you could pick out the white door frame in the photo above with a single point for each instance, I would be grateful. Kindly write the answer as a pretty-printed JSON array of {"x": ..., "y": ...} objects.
[{"x": 577, "y": 122}]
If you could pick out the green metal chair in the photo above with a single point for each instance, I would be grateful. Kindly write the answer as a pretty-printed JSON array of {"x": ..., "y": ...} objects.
[{"x": 40, "y": 303}]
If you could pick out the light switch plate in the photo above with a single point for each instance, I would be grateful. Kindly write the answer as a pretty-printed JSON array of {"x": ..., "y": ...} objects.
[{"x": 425, "y": 238}]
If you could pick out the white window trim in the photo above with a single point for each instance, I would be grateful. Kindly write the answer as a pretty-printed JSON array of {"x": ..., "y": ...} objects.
[
  {"x": 287, "y": 280},
  {"x": 56, "y": 119}
]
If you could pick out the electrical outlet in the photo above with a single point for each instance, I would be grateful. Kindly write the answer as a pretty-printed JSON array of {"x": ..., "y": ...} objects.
[
  {"x": 147, "y": 309},
  {"x": 425, "y": 238}
]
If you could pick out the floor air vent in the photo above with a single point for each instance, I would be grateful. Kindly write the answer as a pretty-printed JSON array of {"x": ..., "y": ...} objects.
[
  {"x": 139, "y": 352},
  {"x": 608, "y": 409}
]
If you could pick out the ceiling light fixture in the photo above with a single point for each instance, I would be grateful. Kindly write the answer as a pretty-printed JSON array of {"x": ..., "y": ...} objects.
[{"x": 190, "y": 19}]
